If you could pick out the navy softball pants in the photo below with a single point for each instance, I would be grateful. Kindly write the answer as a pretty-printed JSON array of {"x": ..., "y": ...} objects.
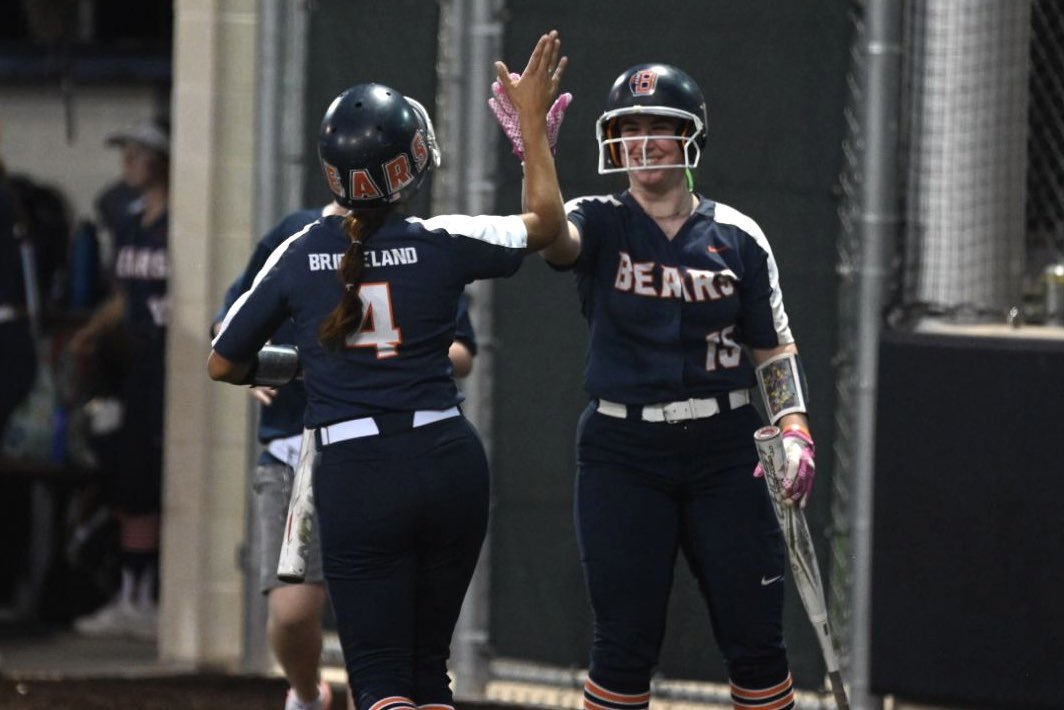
[
  {"x": 402, "y": 517},
  {"x": 644, "y": 493}
]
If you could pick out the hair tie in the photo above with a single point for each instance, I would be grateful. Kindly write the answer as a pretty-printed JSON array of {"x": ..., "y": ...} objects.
[
  {"x": 348, "y": 287},
  {"x": 357, "y": 241}
]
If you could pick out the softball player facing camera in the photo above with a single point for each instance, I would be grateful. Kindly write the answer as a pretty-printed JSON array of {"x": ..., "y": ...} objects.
[{"x": 683, "y": 301}]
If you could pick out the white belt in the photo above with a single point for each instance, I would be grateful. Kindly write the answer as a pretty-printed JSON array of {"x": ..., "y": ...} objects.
[
  {"x": 367, "y": 426},
  {"x": 286, "y": 449},
  {"x": 683, "y": 410}
]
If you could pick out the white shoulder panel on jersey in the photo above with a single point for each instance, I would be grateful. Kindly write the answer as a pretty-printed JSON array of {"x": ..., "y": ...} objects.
[
  {"x": 505, "y": 231},
  {"x": 725, "y": 214},
  {"x": 271, "y": 260},
  {"x": 575, "y": 202}
]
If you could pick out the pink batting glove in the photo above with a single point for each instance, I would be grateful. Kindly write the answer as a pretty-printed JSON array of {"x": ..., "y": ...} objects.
[
  {"x": 554, "y": 119},
  {"x": 506, "y": 114},
  {"x": 800, "y": 469}
]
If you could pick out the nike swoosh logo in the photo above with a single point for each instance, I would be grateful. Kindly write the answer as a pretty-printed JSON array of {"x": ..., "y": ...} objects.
[
  {"x": 767, "y": 581},
  {"x": 716, "y": 250}
]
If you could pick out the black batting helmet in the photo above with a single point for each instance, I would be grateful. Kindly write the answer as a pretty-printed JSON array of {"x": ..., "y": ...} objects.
[
  {"x": 375, "y": 146},
  {"x": 658, "y": 90}
]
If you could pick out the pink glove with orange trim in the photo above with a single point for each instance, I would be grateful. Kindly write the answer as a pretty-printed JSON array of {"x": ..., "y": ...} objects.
[
  {"x": 800, "y": 466},
  {"x": 506, "y": 114}
]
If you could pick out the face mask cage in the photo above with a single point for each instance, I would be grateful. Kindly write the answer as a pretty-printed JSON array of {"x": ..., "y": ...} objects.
[{"x": 613, "y": 148}]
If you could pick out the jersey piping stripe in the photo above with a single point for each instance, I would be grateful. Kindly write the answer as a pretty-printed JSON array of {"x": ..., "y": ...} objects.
[
  {"x": 575, "y": 202},
  {"x": 725, "y": 214},
  {"x": 274, "y": 257},
  {"x": 508, "y": 231}
]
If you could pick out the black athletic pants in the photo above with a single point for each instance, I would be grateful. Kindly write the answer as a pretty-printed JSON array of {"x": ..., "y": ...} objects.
[
  {"x": 646, "y": 491},
  {"x": 403, "y": 517}
]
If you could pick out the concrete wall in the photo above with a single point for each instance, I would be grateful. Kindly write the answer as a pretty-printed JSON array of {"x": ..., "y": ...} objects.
[{"x": 210, "y": 237}]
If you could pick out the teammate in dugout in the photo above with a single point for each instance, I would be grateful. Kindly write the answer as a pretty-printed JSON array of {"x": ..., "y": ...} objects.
[
  {"x": 401, "y": 486},
  {"x": 140, "y": 308},
  {"x": 683, "y": 301},
  {"x": 294, "y": 611}
]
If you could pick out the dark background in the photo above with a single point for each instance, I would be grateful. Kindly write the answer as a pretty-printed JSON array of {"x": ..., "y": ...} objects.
[
  {"x": 774, "y": 78},
  {"x": 967, "y": 536}
]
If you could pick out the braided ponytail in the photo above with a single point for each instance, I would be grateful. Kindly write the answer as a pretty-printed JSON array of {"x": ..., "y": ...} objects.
[{"x": 347, "y": 317}]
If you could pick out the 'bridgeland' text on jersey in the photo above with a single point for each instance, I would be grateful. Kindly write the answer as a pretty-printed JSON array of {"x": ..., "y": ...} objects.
[{"x": 372, "y": 257}]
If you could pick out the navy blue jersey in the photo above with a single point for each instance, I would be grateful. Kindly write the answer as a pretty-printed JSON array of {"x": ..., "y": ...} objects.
[
  {"x": 668, "y": 318},
  {"x": 142, "y": 271},
  {"x": 463, "y": 326},
  {"x": 413, "y": 276},
  {"x": 284, "y": 416}
]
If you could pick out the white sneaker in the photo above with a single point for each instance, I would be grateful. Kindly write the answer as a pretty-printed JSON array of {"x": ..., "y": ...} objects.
[
  {"x": 322, "y": 702},
  {"x": 119, "y": 618},
  {"x": 108, "y": 620}
]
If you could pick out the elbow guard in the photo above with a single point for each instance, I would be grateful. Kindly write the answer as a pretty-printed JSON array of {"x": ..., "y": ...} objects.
[
  {"x": 782, "y": 384},
  {"x": 273, "y": 366}
]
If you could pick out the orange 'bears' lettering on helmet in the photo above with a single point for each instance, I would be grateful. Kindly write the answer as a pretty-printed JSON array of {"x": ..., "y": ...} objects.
[
  {"x": 419, "y": 150},
  {"x": 398, "y": 174},
  {"x": 332, "y": 177},
  {"x": 363, "y": 187}
]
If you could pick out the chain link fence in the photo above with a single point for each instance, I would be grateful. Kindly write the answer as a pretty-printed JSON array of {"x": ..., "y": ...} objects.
[{"x": 981, "y": 172}]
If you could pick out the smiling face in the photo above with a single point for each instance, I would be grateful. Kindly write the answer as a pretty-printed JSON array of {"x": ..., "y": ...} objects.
[{"x": 650, "y": 141}]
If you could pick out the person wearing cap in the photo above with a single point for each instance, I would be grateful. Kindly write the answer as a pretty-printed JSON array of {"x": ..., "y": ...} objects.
[{"x": 138, "y": 308}]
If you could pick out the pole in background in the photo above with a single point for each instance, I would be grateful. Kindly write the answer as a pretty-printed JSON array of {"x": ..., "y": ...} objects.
[
  {"x": 470, "y": 33},
  {"x": 878, "y": 226},
  {"x": 278, "y": 188}
]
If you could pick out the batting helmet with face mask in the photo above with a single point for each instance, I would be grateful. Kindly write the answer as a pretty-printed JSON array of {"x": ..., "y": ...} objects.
[{"x": 652, "y": 90}]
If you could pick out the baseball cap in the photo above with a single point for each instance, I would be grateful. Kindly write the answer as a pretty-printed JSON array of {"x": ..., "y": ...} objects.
[{"x": 146, "y": 133}]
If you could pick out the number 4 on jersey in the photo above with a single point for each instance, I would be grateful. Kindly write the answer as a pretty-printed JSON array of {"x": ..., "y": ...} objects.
[{"x": 378, "y": 322}]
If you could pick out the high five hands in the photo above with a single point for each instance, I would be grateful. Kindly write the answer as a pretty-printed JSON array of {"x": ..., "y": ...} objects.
[{"x": 533, "y": 91}]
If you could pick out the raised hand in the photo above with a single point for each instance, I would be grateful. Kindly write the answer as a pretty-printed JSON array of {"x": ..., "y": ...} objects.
[
  {"x": 506, "y": 114},
  {"x": 532, "y": 92}
]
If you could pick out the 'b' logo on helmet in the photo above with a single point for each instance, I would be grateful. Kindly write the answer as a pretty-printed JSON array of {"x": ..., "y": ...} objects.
[{"x": 643, "y": 83}]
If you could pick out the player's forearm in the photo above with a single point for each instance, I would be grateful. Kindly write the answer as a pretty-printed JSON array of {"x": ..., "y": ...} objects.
[
  {"x": 542, "y": 195},
  {"x": 221, "y": 369}
]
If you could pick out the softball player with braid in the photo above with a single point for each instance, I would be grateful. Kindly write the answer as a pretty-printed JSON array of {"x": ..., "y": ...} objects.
[
  {"x": 401, "y": 484},
  {"x": 683, "y": 301},
  {"x": 294, "y": 620}
]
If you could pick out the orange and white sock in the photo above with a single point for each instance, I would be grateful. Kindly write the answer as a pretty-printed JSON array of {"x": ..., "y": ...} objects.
[
  {"x": 596, "y": 697},
  {"x": 776, "y": 697}
]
